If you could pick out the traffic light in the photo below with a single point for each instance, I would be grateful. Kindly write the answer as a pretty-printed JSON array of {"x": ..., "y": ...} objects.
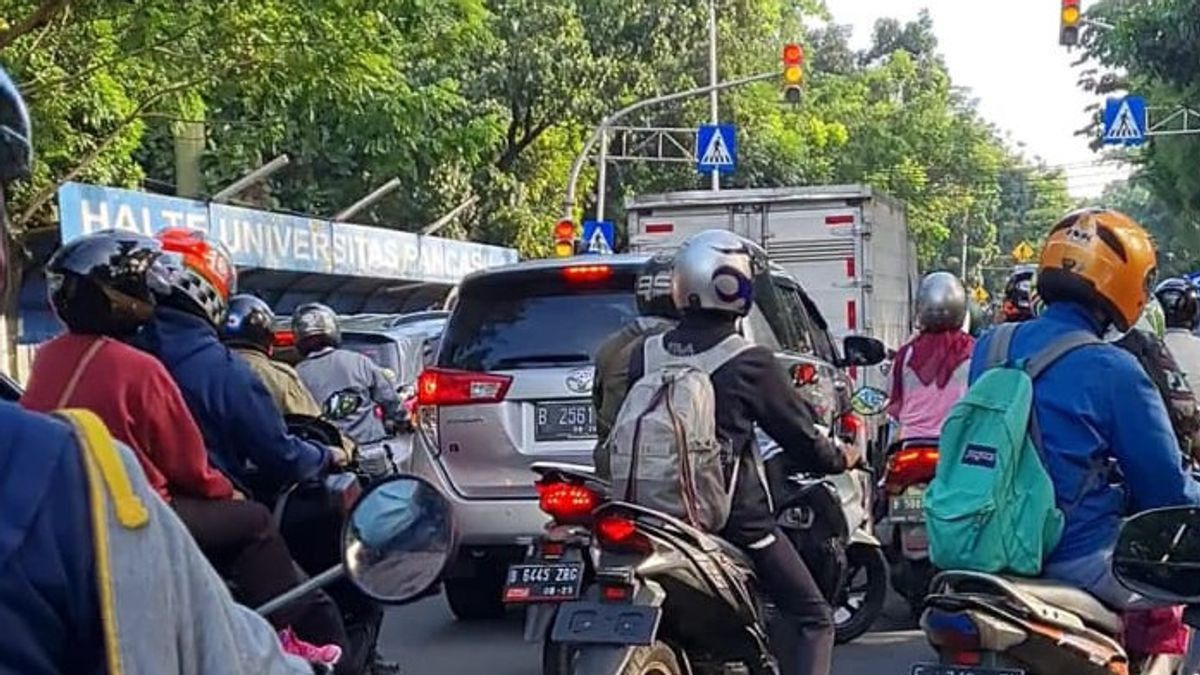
[
  {"x": 564, "y": 238},
  {"x": 1071, "y": 17},
  {"x": 793, "y": 72}
]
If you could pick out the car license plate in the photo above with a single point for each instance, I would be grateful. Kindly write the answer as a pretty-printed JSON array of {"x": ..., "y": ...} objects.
[
  {"x": 565, "y": 421},
  {"x": 936, "y": 669},
  {"x": 543, "y": 582},
  {"x": 908, "y": 508}
]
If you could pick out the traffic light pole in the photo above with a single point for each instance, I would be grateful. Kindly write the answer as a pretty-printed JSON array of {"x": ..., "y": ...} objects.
[{"x": 606, "y": 124}]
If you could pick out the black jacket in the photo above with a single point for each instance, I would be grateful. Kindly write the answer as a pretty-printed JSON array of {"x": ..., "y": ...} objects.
[{"x": 752, "y": 389}]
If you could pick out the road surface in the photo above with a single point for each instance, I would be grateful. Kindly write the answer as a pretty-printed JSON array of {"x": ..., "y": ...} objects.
[{"x": 425, "y": 638}]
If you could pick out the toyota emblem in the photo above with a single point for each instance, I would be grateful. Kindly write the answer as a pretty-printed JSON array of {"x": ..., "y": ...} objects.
[{"x": 580, "y": 381}]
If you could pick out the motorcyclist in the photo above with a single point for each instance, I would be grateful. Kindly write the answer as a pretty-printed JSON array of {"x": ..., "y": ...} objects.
[
  {"x": 1018, "y": 304},
  {"x": 243, "y": 429},
  {"x": 929, "y": 373},
  {"x": 248, "y": 332},
  {"x": 103, "y": 287},
  {"x": 327, "y": 369},
  {"x": 713, "y": 286},
  {"x": 1180, "y": 300},
  {"x": 1096, "y": 270},
  {"x": 657, "y": 313},
  {"x": 56, "y": 509}
]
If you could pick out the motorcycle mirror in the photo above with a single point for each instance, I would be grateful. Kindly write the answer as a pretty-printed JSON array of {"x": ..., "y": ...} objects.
[
  {"x": 869, "y": 401},
  {"x": 1158, "y": 555},
  {"x": 862, "y": 351},
  {"x": 342, "y": 404},
  {"x": 399, "y": 539}
]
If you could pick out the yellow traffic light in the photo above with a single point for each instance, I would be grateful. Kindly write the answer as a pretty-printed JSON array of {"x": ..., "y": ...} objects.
[
  {"x": 793, "y": 72},
  {"x": 1072, "y": 17},
  {"x": 564, "y": 238}
]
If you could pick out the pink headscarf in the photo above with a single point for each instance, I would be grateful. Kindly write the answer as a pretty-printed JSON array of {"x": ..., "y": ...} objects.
[{"x": 933, "y": 357}]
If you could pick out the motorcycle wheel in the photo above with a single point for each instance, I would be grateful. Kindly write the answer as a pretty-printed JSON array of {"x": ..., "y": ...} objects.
[
  {"x": 655, "y": 659},
  {"x": 862, "y": 600}
]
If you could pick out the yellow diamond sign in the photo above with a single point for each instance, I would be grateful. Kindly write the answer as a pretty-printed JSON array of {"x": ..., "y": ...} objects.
[
  {"x": 1023, "y": 252},
  {"x": 980, "y": 295}
]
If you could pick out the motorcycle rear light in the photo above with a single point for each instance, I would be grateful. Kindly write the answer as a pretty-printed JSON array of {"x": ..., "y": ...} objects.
[
  {"x": 966, "y": 658},
  {"x": 552, "y": 549},
  {"x": 443, "y": 387},
  {"x": 284, "y": 338},
  {"x": 566, "y": 502},
  {"x": 621, "y": 534},
  {"x": 911, "y": 466},
  {"x": 584, "y": 274},
  {"x": 616, "y": 593},
  {"x": 850, "y": 425},
  {"x": 953, "y": 633}
]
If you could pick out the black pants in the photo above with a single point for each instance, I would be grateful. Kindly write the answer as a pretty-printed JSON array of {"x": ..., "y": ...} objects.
[
  {"x": 242, "y": 543},
  {"x": 802, "y": 607}
]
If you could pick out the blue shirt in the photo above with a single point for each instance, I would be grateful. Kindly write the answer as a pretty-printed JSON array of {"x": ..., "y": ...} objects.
[{"x": 1095, "y": 405}]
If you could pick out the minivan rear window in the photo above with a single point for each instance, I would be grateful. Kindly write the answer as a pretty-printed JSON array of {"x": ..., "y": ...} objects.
[{"x": 538, "y": 320}]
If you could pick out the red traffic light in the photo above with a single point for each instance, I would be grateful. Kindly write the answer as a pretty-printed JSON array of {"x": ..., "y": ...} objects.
[
  {"x": 793, "y": 54},
  {"x": 564, "y": 229}
]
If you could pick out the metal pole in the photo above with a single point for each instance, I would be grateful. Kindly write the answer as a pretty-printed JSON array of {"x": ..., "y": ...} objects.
[
  {"x": 251, "y": 178},
  {"x": 446, "y": 219},
  {"x": 607, "y": 122},
  {"x": 712, "y": 78},
  {"x": 602, "y": 174},
  {"x": 376, "y": 194},
  {"x": 323, "y": 579}
]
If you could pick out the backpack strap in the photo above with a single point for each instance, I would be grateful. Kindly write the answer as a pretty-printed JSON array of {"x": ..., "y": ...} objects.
[
  {"x": 997, "y": 354},
  {"x": 1039, "y": 362}
]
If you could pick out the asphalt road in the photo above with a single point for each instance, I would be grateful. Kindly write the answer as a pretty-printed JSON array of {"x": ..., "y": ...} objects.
[{"x": 427, "y": 640}]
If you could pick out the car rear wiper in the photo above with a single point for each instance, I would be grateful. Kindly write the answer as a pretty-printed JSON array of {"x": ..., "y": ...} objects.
[{"x": 526, "y": 359}]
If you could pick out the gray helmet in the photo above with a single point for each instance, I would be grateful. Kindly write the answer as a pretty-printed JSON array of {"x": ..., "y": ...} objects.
[
  {"x": 714, "y": 270},
  {"x": 654, "y": 288},
  {"x": 315, "y": 326},
  {"x": 941, "y": 303}
]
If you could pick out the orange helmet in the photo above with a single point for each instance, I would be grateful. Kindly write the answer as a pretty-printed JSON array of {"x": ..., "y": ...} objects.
[
  {"x": 1100, "y": 258},
  {"x": 202, "y": 271}
]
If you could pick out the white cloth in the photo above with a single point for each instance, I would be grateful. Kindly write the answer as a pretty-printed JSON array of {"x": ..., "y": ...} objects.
[{"x": 1185, "y": 348}]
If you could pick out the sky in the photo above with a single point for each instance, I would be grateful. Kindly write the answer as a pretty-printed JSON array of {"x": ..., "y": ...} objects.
[{"x": 1007, "y": 54}]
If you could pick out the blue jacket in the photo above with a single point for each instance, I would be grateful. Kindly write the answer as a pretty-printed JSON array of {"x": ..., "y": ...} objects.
[
  {"x": 1095, "y": 405},
  {"x": 49, "y": 608},
  {"x": 243, "y": 429}
]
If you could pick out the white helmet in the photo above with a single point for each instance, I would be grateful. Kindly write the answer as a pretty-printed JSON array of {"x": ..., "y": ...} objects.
[{"x": 714, "y": 270}]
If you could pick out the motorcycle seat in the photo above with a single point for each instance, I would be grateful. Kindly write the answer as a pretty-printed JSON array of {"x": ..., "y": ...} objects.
[{"x": 1072, "y": 599}]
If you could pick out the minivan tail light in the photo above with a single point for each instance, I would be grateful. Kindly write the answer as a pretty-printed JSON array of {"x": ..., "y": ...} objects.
[{"x": 443, "y": 387}]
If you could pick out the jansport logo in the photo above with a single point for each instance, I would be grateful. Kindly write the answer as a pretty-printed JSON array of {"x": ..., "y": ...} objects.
[
  {"x": 580, "y": 381},
  {"x": 980, "y": 455}
]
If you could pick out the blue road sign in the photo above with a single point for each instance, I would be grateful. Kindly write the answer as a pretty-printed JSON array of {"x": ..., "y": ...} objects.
[
  {"x": 1125, "y": 121},
  {"x": 716, "y": 148},
  {"x": 599, "y": 237}
]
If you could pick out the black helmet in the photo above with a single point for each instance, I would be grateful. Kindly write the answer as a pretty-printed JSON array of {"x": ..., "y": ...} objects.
[
  {"x": 16, "y": 148},
  {"x": 1018, "y": 297},
  {"x": 654, "y": 288},
  {"x": 1180, "y": 300},
  {"x": 248, "y": 323},
  {"x": 106, "y": 283},
  {"x": 315, "y": 327}
]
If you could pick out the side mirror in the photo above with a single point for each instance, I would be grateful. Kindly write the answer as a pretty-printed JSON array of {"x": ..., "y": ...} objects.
[
  {"x": 868, "y": 401},
  {"x": 342, "y": 404},
  {"x": 863, "y": 351},
  {"x": 1158, "y": 555},
  {"x": 399, "y": 539}
]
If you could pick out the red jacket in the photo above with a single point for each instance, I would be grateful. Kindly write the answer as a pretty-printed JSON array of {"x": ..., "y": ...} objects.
[{"x": 139, "y": 402}]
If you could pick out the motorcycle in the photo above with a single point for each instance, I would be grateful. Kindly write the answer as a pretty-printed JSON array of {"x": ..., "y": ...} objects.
[
  {"x": 381, "y": 457},
  {"x": 396, "y": 543},
  {"x": 1001, "y": 625},
  {"x": 910, "y": 466}
]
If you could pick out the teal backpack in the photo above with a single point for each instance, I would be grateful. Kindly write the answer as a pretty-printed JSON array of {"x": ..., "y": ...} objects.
[{"x": 991, "y": 506}]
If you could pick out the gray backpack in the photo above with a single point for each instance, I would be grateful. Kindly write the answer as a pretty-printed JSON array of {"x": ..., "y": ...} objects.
[{"x": 664, "y": 447}]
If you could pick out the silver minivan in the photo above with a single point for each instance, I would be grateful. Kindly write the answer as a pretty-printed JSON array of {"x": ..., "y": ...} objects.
[{"x": 511, "y": 385}]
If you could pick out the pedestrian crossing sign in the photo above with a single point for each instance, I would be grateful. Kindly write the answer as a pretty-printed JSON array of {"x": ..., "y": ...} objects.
[
  {"x": 716, "y": 148},
  {"x": 1125, "y": 121},
  {"x": 599, "y": 237}
]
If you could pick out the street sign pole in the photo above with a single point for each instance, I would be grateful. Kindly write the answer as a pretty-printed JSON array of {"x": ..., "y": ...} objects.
[
  {"x": 712, "y": 79},
  {"x": 601, "y": 174}
]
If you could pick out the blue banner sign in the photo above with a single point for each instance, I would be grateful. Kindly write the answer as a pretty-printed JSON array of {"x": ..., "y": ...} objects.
[{"x": 279, "y": 241}]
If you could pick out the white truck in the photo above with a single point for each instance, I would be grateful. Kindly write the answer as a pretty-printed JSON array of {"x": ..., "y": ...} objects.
[{"x": 847, "y": 245}]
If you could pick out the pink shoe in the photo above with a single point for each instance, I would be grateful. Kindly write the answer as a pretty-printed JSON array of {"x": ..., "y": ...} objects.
[{"x": 327, "y": 655}]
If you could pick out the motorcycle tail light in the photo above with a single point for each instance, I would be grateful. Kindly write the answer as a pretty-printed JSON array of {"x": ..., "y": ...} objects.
[
  {"x": 567, "y": 502},
  {"x": 850, "y": 426},
  {"x": 953, "y": 633},
  {"x": 910, "y": 466},
  {"x": 616, "y": 592},
  {"x": 621, "y": 535}
]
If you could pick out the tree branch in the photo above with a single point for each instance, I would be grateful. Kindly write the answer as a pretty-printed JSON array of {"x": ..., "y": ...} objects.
[{"x": 40, "y": 17}]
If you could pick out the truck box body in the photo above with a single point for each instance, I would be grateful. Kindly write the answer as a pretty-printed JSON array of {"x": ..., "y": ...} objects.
[{"x": 846, "y": 244}]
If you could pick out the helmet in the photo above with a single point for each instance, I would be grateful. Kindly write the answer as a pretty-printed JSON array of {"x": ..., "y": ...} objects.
[
  {"x": 941, "y": 303},
  {"x": 315, "y": 327},
  {"x": 1180, "y": 300},
  {"x": 654, "y": 288},
  {"x": 248, "y": 323},
  {"x": 1018, "y": 303},
  {"x": 107, "y": 283},
  {"x": 714, "y": 270},
  {"x": 203, "y": 275},
  {"x": 16, "y": 148},
  {"x": 1102, "y": 259}
]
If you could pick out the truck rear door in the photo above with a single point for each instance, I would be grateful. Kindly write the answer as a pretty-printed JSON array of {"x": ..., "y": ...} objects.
[{"x": 653, "y": 230}]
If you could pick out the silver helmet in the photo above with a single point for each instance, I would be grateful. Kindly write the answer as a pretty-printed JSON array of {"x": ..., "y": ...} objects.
[
  {"x": 941, "y": 303},
  {"x": 315, "y": 326},
  {"x": 714, "y": 270}
]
